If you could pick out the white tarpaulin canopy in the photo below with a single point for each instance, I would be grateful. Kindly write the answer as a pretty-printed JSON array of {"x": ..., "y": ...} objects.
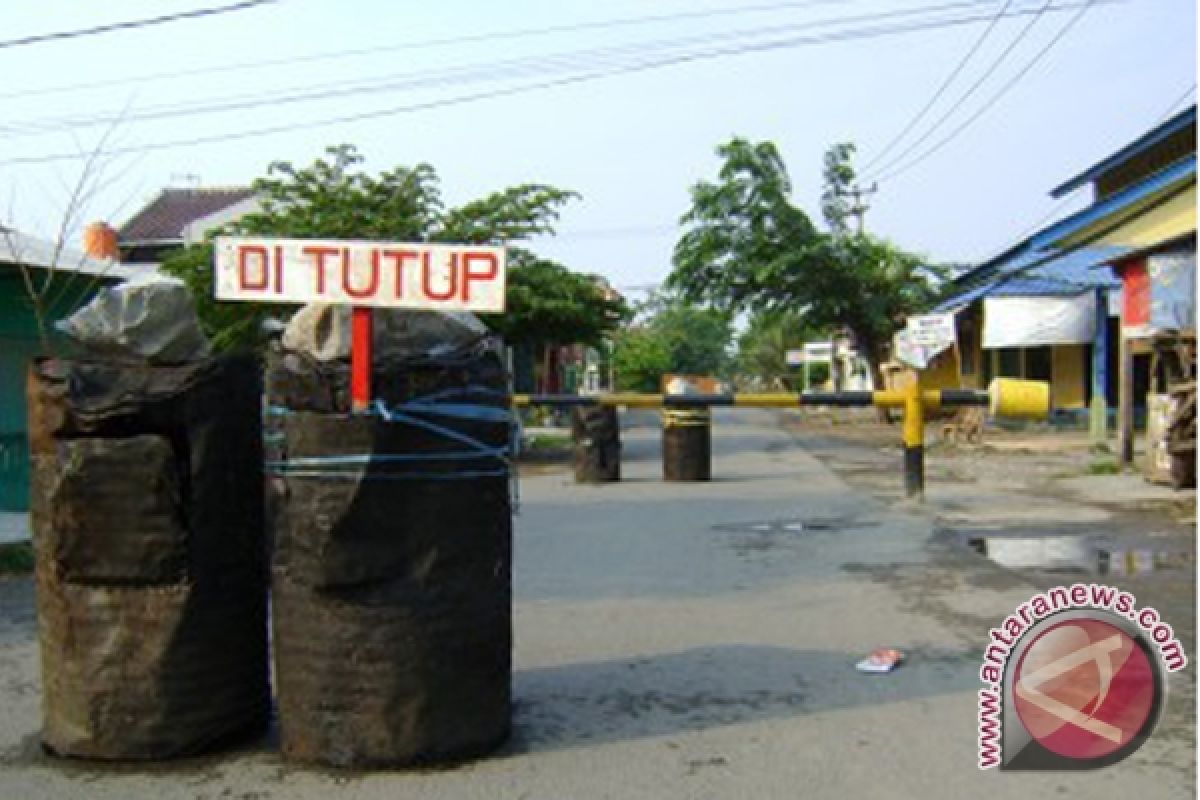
[{"x": 1034, "y": 321}]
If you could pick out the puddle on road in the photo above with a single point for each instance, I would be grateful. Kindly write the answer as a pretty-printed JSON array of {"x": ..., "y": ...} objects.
[
  {"x": 1139, "y": 561},
  {"x": 794, "y": 526},
  {"x": 1073, "y": 553}
]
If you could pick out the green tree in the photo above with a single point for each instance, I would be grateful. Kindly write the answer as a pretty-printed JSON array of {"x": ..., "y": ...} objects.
[
  {"x": 671, "y": 338},
  {"x": 334, "y": 198},
  {"x": 838, "y": 175},
  {"x": 548, "y": 304},
  {"x": 763, "y": 347},
  {"x": 745, "y": 246},
  {"x": 640, "y": 359}
]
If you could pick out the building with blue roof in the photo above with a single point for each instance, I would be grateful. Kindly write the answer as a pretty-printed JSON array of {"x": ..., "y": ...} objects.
[{"x": 1060, "y": 304}]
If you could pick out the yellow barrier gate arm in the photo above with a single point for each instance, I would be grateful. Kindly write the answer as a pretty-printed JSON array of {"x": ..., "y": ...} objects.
[{"x": 1005, "y": 397}]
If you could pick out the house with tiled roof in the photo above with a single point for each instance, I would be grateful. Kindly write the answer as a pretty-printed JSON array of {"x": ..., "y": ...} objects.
[{"x": 179, "y": 217}]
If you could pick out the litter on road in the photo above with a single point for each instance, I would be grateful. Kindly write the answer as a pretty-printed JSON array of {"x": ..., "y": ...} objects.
[{"x": 881, "y": 660}]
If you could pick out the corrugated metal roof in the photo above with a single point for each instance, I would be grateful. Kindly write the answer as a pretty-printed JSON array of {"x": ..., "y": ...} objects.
[
  {"x": 168, "y": 215},
  {"x": 1129, "y": 151},
  {"x": 1037, "y": 286},
  {"x": 1039, "y": 273},
  {"x": 1125, "y": 202},
  {"x": 1075, "y": 266}
]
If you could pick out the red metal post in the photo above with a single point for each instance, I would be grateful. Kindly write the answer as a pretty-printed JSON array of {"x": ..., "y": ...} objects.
[{"x": 360, "y": 359}]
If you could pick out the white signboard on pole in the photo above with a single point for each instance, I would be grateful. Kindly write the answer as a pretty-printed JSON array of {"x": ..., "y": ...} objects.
[
  {"x": 923, "y": 338},
  {"x": 794, "y": 358},
  {"x": 818, "y": 352},
  {"x": 446, "y": 277}
]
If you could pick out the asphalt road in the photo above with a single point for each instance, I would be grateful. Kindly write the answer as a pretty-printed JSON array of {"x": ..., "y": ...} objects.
[{"x": 684, "y": 641}]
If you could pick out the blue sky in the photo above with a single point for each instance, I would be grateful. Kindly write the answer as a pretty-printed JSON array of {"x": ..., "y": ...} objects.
[{"x": 630, "y": 143}]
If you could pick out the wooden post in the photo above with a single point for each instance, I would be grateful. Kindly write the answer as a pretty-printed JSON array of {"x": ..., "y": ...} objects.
[
  {"x": 1098, "y": 412},
  {"x": 1125, "y": 401},
  {"x": 360, "y": 358}
]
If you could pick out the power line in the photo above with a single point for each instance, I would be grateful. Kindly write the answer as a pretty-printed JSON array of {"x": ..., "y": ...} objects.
[
  {"x": 562, "y": 63},
  {"x": 1176, "y": 103},
  {"x": 1051, "y": 214},
  {"x": 624, "y": 232},
  {"x": 995, "y": 97},
  {"x": 1071, "y": 195},
  {"x": 522, "y": 89},
  {"x": 974, "y": 87},
  {"x": 132, "y": 24},
  {"x": 937, "y": 95},
  {"x": 460, "y": 74},
  {"x": 417, "y": 45}
]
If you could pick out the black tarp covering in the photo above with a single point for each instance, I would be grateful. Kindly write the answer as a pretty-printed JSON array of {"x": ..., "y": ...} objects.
[
  {"x": 391, "y": 577},
  {"x": 597, "y": 444},
  {"x": 148, "y": 532}
]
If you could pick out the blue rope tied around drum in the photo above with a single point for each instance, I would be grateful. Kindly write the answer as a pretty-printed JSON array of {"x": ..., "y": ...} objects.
[{"x": 413, "y": 413}]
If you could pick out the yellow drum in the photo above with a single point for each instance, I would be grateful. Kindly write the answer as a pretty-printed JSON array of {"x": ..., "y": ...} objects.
[{"x": 1018, "y": 399}]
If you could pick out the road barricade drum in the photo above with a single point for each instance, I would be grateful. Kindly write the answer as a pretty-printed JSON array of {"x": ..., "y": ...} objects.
[
  {"x": 687, "y": 444},
  {"x": 596, "y": 434},
  {"x": 147, "y": 508},
  {"x": 391, "y": 576}
]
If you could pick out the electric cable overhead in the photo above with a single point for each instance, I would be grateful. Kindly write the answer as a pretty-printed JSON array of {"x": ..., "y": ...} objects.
[
  {"x": 422, "y": 44},
  {"x": 596, "y": 74},
  {"x": 1050, "y": 214},
  {"x": 486, "y": 72},
  {"x": 479, "y": 72},
  {"x": 1171, "y": 109},
  {"x": 941, "y": 90},
  {"x": 965, "y": 96},
  {"x": 198, "y": 13},
  {"x": 622, "y": 232},
  {"x": 995, "y": 97},
  {"x": 1074, "y": 193}
]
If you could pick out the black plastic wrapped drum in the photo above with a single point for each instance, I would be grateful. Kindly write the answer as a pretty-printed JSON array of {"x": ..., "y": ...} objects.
[
  {"x": 597, "y": 444},
  {"x": 392, "y": 571},
  {"x": 687, "y": 444},
  {"x": 147, "y": 502}
]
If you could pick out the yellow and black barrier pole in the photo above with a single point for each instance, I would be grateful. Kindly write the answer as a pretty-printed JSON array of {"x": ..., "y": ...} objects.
[
  {"x": 914, "y": 441},
  {"x": 1005, "y": 397}
]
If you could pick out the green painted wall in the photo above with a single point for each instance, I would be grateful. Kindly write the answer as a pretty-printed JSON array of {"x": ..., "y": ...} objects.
[{"x": 18, "y": 344}]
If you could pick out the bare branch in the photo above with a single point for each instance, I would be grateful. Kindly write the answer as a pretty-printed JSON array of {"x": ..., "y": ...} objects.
[{"x": 38, "y": 291}]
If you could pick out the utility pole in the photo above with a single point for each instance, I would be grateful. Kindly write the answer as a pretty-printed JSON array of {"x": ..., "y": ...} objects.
[{"x": 858, "y": 209}]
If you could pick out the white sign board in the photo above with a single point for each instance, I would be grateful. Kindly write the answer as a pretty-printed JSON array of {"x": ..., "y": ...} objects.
[
  {"x": 906, "y": 351},
  {"x": 794, "y": 358},
  {"x": 818, "y": 352},
  {"x": 1036, "y": 321},
  {"x": 448, "y": 277},
  {"x": 932, "y": 330},
  {"x": 925, "y": 336}
]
